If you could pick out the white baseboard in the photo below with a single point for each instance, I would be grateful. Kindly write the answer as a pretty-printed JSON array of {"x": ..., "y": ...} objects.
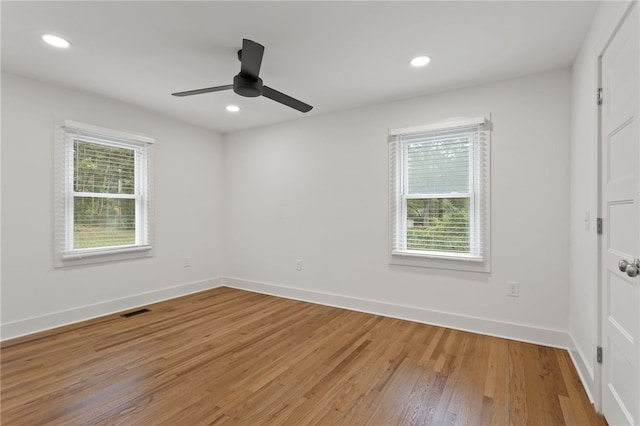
[
  {"x": 519, "y": 332},
  {"x": 83, "y": 313},
  {"x": 585, "y": 372}
]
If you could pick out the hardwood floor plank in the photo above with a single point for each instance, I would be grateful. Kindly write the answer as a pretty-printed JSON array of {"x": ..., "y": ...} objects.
[
  {"x": 226, "y": 356},
  {"x": 500, "y": 380},
  {"x": 518, "y": 408}
]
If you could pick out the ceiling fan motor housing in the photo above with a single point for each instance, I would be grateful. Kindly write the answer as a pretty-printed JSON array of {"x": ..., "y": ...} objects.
[{"x": 248, "y": 87}]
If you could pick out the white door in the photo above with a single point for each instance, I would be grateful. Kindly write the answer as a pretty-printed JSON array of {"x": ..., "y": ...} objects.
[{"x": 620, "y": 210}]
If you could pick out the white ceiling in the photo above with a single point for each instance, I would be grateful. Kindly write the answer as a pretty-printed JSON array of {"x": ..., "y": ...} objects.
[{"x": 332, "y": 55}]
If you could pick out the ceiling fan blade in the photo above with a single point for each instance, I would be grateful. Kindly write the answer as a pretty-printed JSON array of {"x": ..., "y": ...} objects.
[
  {"x": 251, "y": 58},
  {"x": 285, "y": 99},
  {"x": 207, "y": 90}
]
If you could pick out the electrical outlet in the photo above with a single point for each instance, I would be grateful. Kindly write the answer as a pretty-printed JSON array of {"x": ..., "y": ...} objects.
[
  {"x": 513, "y": 289},
  {"x": 186, "y": 263},
  {"x": 298, "y": 265}
]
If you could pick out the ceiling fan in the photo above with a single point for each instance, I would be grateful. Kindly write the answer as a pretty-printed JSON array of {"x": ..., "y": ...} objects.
[{"x": 247, "y": 83}]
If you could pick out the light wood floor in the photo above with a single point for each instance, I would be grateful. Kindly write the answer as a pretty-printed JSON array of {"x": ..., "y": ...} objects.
[{"x": 229, "y": 356}]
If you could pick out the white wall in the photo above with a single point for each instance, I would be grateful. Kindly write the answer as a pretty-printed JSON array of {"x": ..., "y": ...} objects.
[
  {"x": 316, "y": 189},
  {"x": 584, "y": 139},
  {"x": 188, "y": 178}
]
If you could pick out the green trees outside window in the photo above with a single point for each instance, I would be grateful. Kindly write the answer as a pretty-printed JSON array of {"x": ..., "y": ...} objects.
[
  {"x": 104, "y": 208},
  {"x": 438, "y": 224},
  {"x": 435, "y": 167}
]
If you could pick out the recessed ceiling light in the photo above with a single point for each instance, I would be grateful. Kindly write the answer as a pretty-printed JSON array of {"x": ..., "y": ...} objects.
[
  {"x": 420, "y": 61},
  {"x": 56, "y": 41},
  {"x": 233, "y": 108}
]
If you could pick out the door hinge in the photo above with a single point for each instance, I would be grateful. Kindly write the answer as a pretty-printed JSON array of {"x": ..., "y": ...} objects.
[
  {"x": 599, "y": 354},
  {"x": 599, "y": 96},
  {"x": 599, "y": 225}
]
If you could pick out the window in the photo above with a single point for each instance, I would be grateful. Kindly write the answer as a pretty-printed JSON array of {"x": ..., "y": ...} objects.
[
  {"x": 439, "y": 181},
  {"x": 103, "y": 195}
]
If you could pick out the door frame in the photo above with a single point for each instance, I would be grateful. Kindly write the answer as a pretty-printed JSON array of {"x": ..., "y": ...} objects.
[
  {"x": 598, "y": 370},
  {"x": 598, "y": 378}
]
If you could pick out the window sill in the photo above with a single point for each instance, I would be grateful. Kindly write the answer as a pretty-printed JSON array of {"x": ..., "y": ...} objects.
[
  {"x": 437, "y": 255},
  {"x": 91, "y": 256},
  {"x": 456, "y": 262}
]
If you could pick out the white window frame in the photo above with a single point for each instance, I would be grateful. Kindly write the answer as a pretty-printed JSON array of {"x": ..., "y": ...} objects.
[
  {"x": 478, "y": 260},
  {"x": 65, "y": 253}
]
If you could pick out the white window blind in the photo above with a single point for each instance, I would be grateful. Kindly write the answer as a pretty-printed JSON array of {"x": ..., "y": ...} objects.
[
  {"x": 104, "y": 193},
  {"x": 439, "y": 191}
]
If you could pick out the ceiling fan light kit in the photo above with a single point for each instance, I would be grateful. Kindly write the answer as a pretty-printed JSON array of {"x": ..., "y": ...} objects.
[{"x": 247, "y": 83}]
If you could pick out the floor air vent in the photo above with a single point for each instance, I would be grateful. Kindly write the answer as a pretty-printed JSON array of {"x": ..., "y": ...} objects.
[{"x": 134, "y": 313}]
